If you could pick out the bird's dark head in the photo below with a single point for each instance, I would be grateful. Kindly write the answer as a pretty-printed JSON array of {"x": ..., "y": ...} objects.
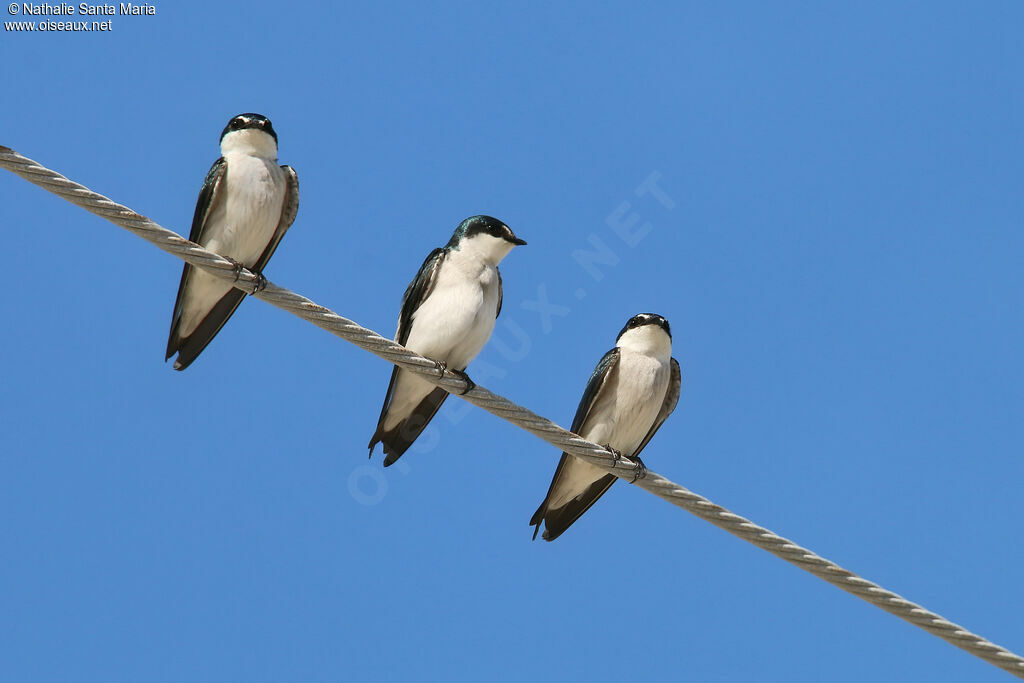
[
  {"x": 249, "y": 121},
  {"x": 483, "y": 225},
  {"x": 642, "y": 319}
]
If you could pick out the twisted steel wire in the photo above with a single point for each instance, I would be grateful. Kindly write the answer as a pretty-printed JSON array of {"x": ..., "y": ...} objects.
[{"x": 539, "y": 426}]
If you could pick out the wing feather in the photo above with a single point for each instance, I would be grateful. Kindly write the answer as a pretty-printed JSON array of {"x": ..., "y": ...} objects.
[
  {"x": 210, "y": 194},
  {"x": 399, "y": 438},
  {"x": 418, "y": 291},
  {"x": 556, "y": 523},
  {"x": 500, "y": 294},
  {"x": 598, "y": 379}
]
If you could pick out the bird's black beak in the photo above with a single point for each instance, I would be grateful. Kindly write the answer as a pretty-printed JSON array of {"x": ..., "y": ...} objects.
[{"x": 518, "y": 242}]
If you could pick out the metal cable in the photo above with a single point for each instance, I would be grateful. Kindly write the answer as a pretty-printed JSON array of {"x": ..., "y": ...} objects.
[{"x": 517, "y": 415}]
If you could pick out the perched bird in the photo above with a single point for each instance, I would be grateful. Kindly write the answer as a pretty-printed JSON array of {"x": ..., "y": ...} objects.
[
  {"x": 633, "y": 389},
  {"x": 246, "y": 205},
  {"x": 448, "y": 314}
]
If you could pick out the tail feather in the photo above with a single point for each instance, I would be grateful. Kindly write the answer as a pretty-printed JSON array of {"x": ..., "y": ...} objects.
[
  {"x": 188, "y": 348},
  {"x": 538, "y": 518},
  {"x": 396, "y": 441},
  {"x": 557, "y": 520}
]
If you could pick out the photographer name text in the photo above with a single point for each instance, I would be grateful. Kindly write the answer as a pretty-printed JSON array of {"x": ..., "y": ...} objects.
[{"x": 85, "y": 9}]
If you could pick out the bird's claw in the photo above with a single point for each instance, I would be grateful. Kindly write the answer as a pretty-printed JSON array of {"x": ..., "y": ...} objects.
[
  {"x": 259, "y": 285},
  {"x": 441, "y": 367},
  {"x": 238, "y": 267},
  {"x": 615, "y": 453},
  {"x": 640, "y": 471},
  {"x": 470, "y": 384},
  {"x": 461, "y": 374}
]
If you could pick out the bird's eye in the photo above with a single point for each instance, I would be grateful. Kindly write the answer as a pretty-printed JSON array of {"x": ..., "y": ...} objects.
[
  {"x": 237, "y": 123},
  {"x": 633, "y": 322}
]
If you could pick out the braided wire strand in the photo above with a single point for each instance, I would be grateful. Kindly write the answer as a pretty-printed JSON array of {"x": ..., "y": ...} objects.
[{"x": 541, "y": 427}]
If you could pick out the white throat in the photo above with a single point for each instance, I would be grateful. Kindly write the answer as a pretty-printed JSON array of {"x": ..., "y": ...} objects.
[
  {"x": 649, "y": 340},
  {"x": 487, "y": 248},
  {"x": 251, "y": 142}
]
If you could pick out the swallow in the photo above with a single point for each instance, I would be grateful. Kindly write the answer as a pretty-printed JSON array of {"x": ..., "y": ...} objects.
[
  {"x": 447, "y": 315},
  {"x": 245, "y": 206},
  {"x": 632, "y": 391}
]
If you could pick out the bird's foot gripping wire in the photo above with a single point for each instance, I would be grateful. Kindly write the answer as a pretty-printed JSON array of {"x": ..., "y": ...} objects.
[
  {"x": 640, "y": 471},
  {"x": 615, "y": 453},
  {"x": 461, "y": 374},
  {"x": 258, "y": 286},
  {"x": 441, "y": 367},
  {"x": 239, "y": 267},
  {"x": 470, "y": 384}
]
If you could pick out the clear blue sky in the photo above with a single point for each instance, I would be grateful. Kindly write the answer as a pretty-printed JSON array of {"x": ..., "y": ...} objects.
[{"x": 841, "y": 266}]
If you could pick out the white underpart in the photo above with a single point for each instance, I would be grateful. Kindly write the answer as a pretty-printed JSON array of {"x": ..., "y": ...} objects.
[
  {"x": 243, "y": 220},
  {"x": 456, "y": 320},
  {"x": 625, "y": 410}
]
